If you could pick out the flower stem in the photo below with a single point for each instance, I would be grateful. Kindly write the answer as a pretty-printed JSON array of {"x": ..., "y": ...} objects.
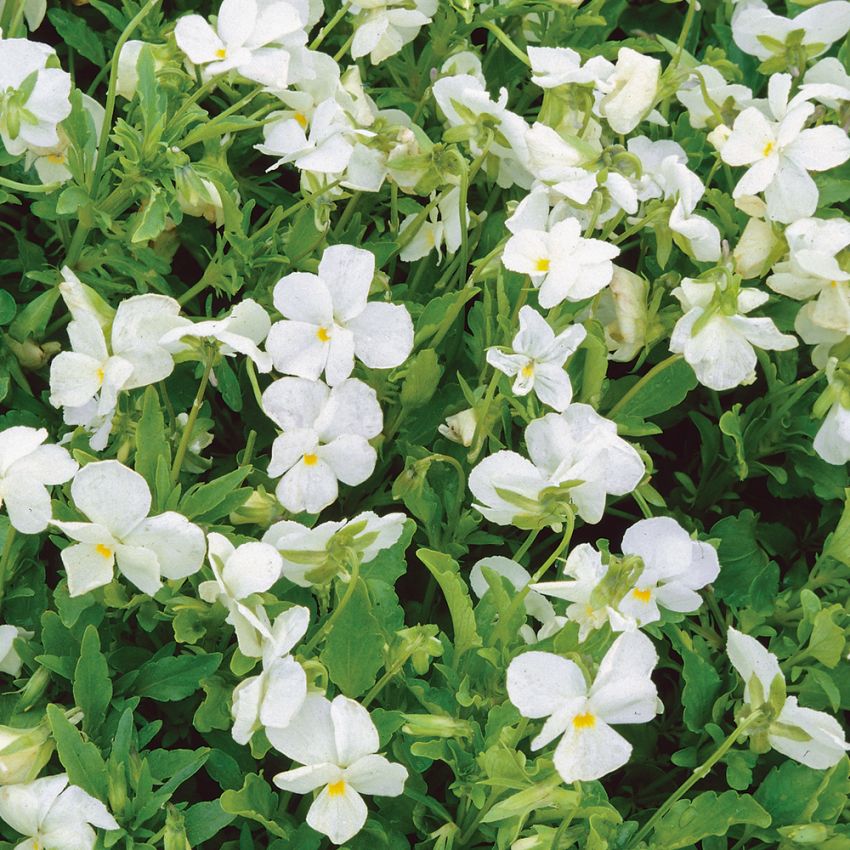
[
  {"x": 565, "y": 542},
  {"x": 506, "y": 40},
  {"x": 32, "y": 188},
  {"x": 190, "y": 422},
  {"x": 325, "y": 628},
  {"x": 326, "y": 29},
  {"x": 5, "y": 558}
]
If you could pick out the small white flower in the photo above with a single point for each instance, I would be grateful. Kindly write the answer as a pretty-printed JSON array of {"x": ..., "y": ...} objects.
[
  {"x": 325, "y": 439},
  {"x": 557, "y": 66},
  {"x": 827, "y": 82},
  {"x": 240, "y": 572},
  {"x": 337, "y": 743},
  {"x": 120, "y": 533},
  {"x": 706, "y": 95},
  {"x": 441, "y": 228},
  {"x": 459, "y": 427},
  {"x": 27, "y": 469},
  {"x": 383, "y": 27},
  {"x": 275, "y": 696},
  {"x": 537, "y": 359},
  {"x": 10, "y": 661},
  {"x": 541, "y": 684},
  {"x": 716, "y": 336},
  {"x": 832, "y": 441},
  {"x": 53, "y": 815},
  {"x": 622, "y": 310},
  {"x": 328, "y": 321},
  {"x": 818, "y": 739},
  {"x": 631, "y": 90}
]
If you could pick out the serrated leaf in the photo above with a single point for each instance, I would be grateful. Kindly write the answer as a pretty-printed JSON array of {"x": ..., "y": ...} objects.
[
  {"x": 81, "y": 759},
  {"x": 76, "y": 33},
  {"x": 256, "y": 801}
]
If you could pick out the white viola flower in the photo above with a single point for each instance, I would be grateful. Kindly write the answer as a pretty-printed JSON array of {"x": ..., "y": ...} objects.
[
  {"x": 780, "y": 153},
  {"x": 561, "y": 263},
  {"x": 823, "y": 339},
  {"x": 245, "y": 39},
  {"x": 133, "y": 358},
  {"x": 631, "y": 91},
  {"x": 241, "y": 572},
  {"x": 716, "y": 336},
  {"x": 536, "y": 606},
  {"x": 541, "y": 684},
  {"x": 762, "y": 33},
  {"x": 337, "y": 744},
  {"x": 312, "y": 555},
  {"x": 675, "y": 567},
  {"x": 120, "y": 533},
  {"x": 53, "y": 815},
  {"x": 560, "y": 164},
  {"x": 622, "y": 310},
  {"x": 325, "y": 439},
  {"x": 557, "y": 66},
  {"x": 34, "y": 99},
  {"x": 832, "y": 441},
  {"x": 709, "y": 99},
  {"x": 812, "y": 269},
  {"x": 585, "y": 569},
  {"x": 537, "y": 359},
  {"x": 460, "y": 427},
  {"x": 328, "y": 320},
  {"x": 810, "y": 737},
  {"x": 240, "y": 332},
  {"x": 441, "y": 228},
  {"x": 275, "y": 696},
  {"x": 10, "y": 662},
  {"x": 383, "y": 27},
  {"x": 27, "y": 469},
  {"x": 827, "y": 82},
  {"x": 34, "y": 11}
]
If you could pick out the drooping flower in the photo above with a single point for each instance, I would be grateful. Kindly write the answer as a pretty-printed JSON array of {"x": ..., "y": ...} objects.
[
  {"x": 541, "y": 684},
  {"x": 325, "y": 439},
  {"x": 832, "y": 441},
  {"x": 117, "y": 501},
  {"x": 53, "y": 815},
  {"x": 10, "y": 662},
  {"x": 328, "y": 320},
  {"x": 27, "y": 469},
  {"x": 537, "y": 359},
  {"x": 631, "y": 91},
  {"x": 337, "y": 743},
  {"x": 24, "y": 751}
]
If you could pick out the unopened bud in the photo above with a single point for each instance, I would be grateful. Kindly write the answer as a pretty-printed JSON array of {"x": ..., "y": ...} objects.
[{"x": 23, "y": 753}]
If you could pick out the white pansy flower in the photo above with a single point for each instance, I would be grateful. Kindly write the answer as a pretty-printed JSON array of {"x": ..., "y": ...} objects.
[
  {"x": 832, "y": 441},
  {"x": 460, "y": 427},
  {"x": 325, "y": 439},
  {"x": 537, "y": 359},
  {"x": 53, "y": 815},
  {"x": 10, "y": 661},
  {"x": 337, "y": 743},
  {"x": 245, "y": 39},
  {"x": 120, "y": 533},
  {"x": 630, "y": 91},
  {"x": 622, "y": 310},
  {"x": 674, "y": 568},
  {"x": 27, "y": 469},
  {"x": 810, "y": 737},
  {"x": 383, "y": 27},
  {"x": 780, "y": 153},
  {"x": 709, "y": 98},
  {"x": 716, "y": 336},
  {"x": 562, "y": 264},
  {"x": 328, "y": 320},
  {"x": 541, "y": 684},
  {"x": 34, "y": 99},
  {"x": 276, "y": 695},
  {"x": 34, "y": 11},
  {"x": 442, "y": 227}
]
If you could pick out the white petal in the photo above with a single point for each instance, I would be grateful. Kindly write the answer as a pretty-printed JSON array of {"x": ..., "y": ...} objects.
[
  {"x": 339, "y": 816},
  {"x": 347, "y": 271},
  {"x": 197, "y": 39},
  {"x": 354, "y": 732},
  {"x": 297, "y": 349},
  {"x": 74, "y": 379},
  {"x": 140, "y": 566},
  {"x": 178, "y": 544},
  {"x": 27, "y": 503},
  {"x": 539, "y": 683},
  {"x": 87, "y": 567},
  {"x": 304, "y": 297},
  {"x": 309, "y": 737},
  {"x": 826, "y": 746},
  {"x": 350, "y": 457},
  {"x": 585, "y": 754},
  {"x": 112, "y": 495},
  {"x": 383, "y": 335},
  {"x": 352, "y": 408},
  {"x": 286, "y": 689},
  {"x": 253, "y": 568},
  {"x": 340, "y": 356},
  {"x": 373, "y": 774},
  {"x": 308, "y": 488},
  {"x": 294, "y": 402},
  {"x": 750, "y": 659},
  {"x": 303, "y": 780}
]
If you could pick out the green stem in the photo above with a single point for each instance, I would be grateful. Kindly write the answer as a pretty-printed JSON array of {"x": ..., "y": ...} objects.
[
  {"x": 506, "y": 40},
  {"x": 252, "y": 379},
  {"x": 32, "y": 188},
  {"x": 190, "y": 422},
  {"x": 4, "y": 561},
  {"x": 532, "y": 536},
  {"x": 565, "y": 542},
  {"x": 655, "y": 370},
  {"x": 344, "y": 49},
  {"x": 326, "y": 29},
  {"x": 480, "y": 434},
  {"x": 325, "y": 628}
]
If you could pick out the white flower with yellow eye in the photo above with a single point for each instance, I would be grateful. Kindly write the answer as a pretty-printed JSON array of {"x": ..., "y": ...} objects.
[
  {"x": 328, "y": 320},
  {"x": 120, "y": 533},
  {"x": 337, "y": 743},
  {"x": 541, "y": 684}
]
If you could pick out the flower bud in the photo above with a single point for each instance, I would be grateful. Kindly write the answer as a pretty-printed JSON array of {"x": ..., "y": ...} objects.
[
  {"x": 10, "y": 661},
  {"x": 460, "y": 427},
  {"x": 622, "y": 309},
  {"x": 23, "y": 753},
  {"x": 755, "y": 249},
  {"x": 261, "y": 509},
  {"x": 436, "y": 726},
  {"x": 718, "y": 136},
  {"x": 198, "y": 196},
  {"x": 80, "y": 298}
]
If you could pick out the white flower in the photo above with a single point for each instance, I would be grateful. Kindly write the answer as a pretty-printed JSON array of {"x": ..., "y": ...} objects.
[
  {"x": 708, "y": 97},
  {"x": 328, "y": 321},
  {"x": 561, "y": 263},
  {"x": 120, "y": 533},
  {"x": 558, "y": 66},
  {"x": 442, "y": 227},
  {"x": 274, "y": 697},
  {"x": 383, "y": 27},
  {"x": 559, "y": 164},
  {"x": 631, "y": 90},
  {"x": 538, "y": 357},
  {"x": 24, "y": 751},
  {"x": 621, "y": 308},
  {"x": 240, "y": 572},
  {"x": 756, "y": 249},
  {"x": 337, "y": 743},
  {"x": 34, "y": 99},
  {"x": 53, "y": 815},
  {"x": 832, "y": 441},
  {"x": 27, "y": 468},
  {"x": 541, "y": 684},
  {"x": 827, "y": 81},
  {"x": 780, "y": 153},
  {"x": 315, "y": 555},
  {"x": 674, "y": 568},
  {"x": 716, "y": 336},
  {"x": 34, "y": 11},
  {"x": 810, "y": 737},
  {"x": 244, "y": 39},
  {"x": 240, "y": 332},
  {"x": 459, "y": 427},
  {"x": 10, "y": 661}
]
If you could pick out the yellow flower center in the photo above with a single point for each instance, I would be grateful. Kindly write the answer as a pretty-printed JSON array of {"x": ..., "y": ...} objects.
[
  {"x": 221, "y": 53},
  {"x": 301, "y": 118},
  {"x": 584, "y": 721},
  {"x": 323, "y": 335},
  {"x": 337, "y": 789},
  {"x": 56, "y": 158},
  {"x": 103, "y": 551},
  {"x": 642, "y": 595},
  {"x": 100, "y": 375},
  {"x": 527, "y": 371},
  {"x": 768, "y": 149},
  {"x": 833, "y": 283},
  {"x": 311, "y": 459},
  {"x": 542, "y": 265}
]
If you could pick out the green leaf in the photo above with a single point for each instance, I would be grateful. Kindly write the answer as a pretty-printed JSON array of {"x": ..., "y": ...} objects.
[
  {"x": 150, "y": 222},
  {"x": 204, "y": 500},
  {"x": 33, "y": 319},
  {"x": 689, "y": 821},
  {"x": 151, "y": 443},
  {"x": 81, "y": 759},
  {"x": 660, "y": 389},
  {"x": 702, "y": 685},
  {"x": 740, "y": 556},
  {"x": 92, "y": 685},
  {"x": 447, "y": 573},
  {"x": 794, "y": 793},
  {"x": 826, "y": 643},
  {"x": 353, "y": 651},
  {"x": 256, "y": 801},
  {"x": 390, "y": 564},
  {"x": 8, "y": 307},
  {"x": 171, "y": 679},
  {"x": 75, "y": 33},
  {"x": 204, "y": 820}
]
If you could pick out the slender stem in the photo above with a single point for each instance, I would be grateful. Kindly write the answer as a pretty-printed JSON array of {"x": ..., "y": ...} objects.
[
  {"x": 4, "y": 561},
  {"x": 659, "y": 367},
  {"x": 565, "y": 542},
  {"x": 506, "y": 40},
  {"x": 325, "y": 628},
  {"x": 344, "y": 49},
  {"x": 480, "y": 434},
  {"x": 326, "y": 29},
  {"x": 32, "y": 188},
  {"x": 532, "y": 536},
  {"x": 252, "y": 380},
  {"x": 190, "y": 422},
  {"x": 683, "y": 35}
]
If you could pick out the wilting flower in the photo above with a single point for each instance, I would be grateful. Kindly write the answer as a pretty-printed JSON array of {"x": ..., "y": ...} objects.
[{"x": 10, "y": 661}]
